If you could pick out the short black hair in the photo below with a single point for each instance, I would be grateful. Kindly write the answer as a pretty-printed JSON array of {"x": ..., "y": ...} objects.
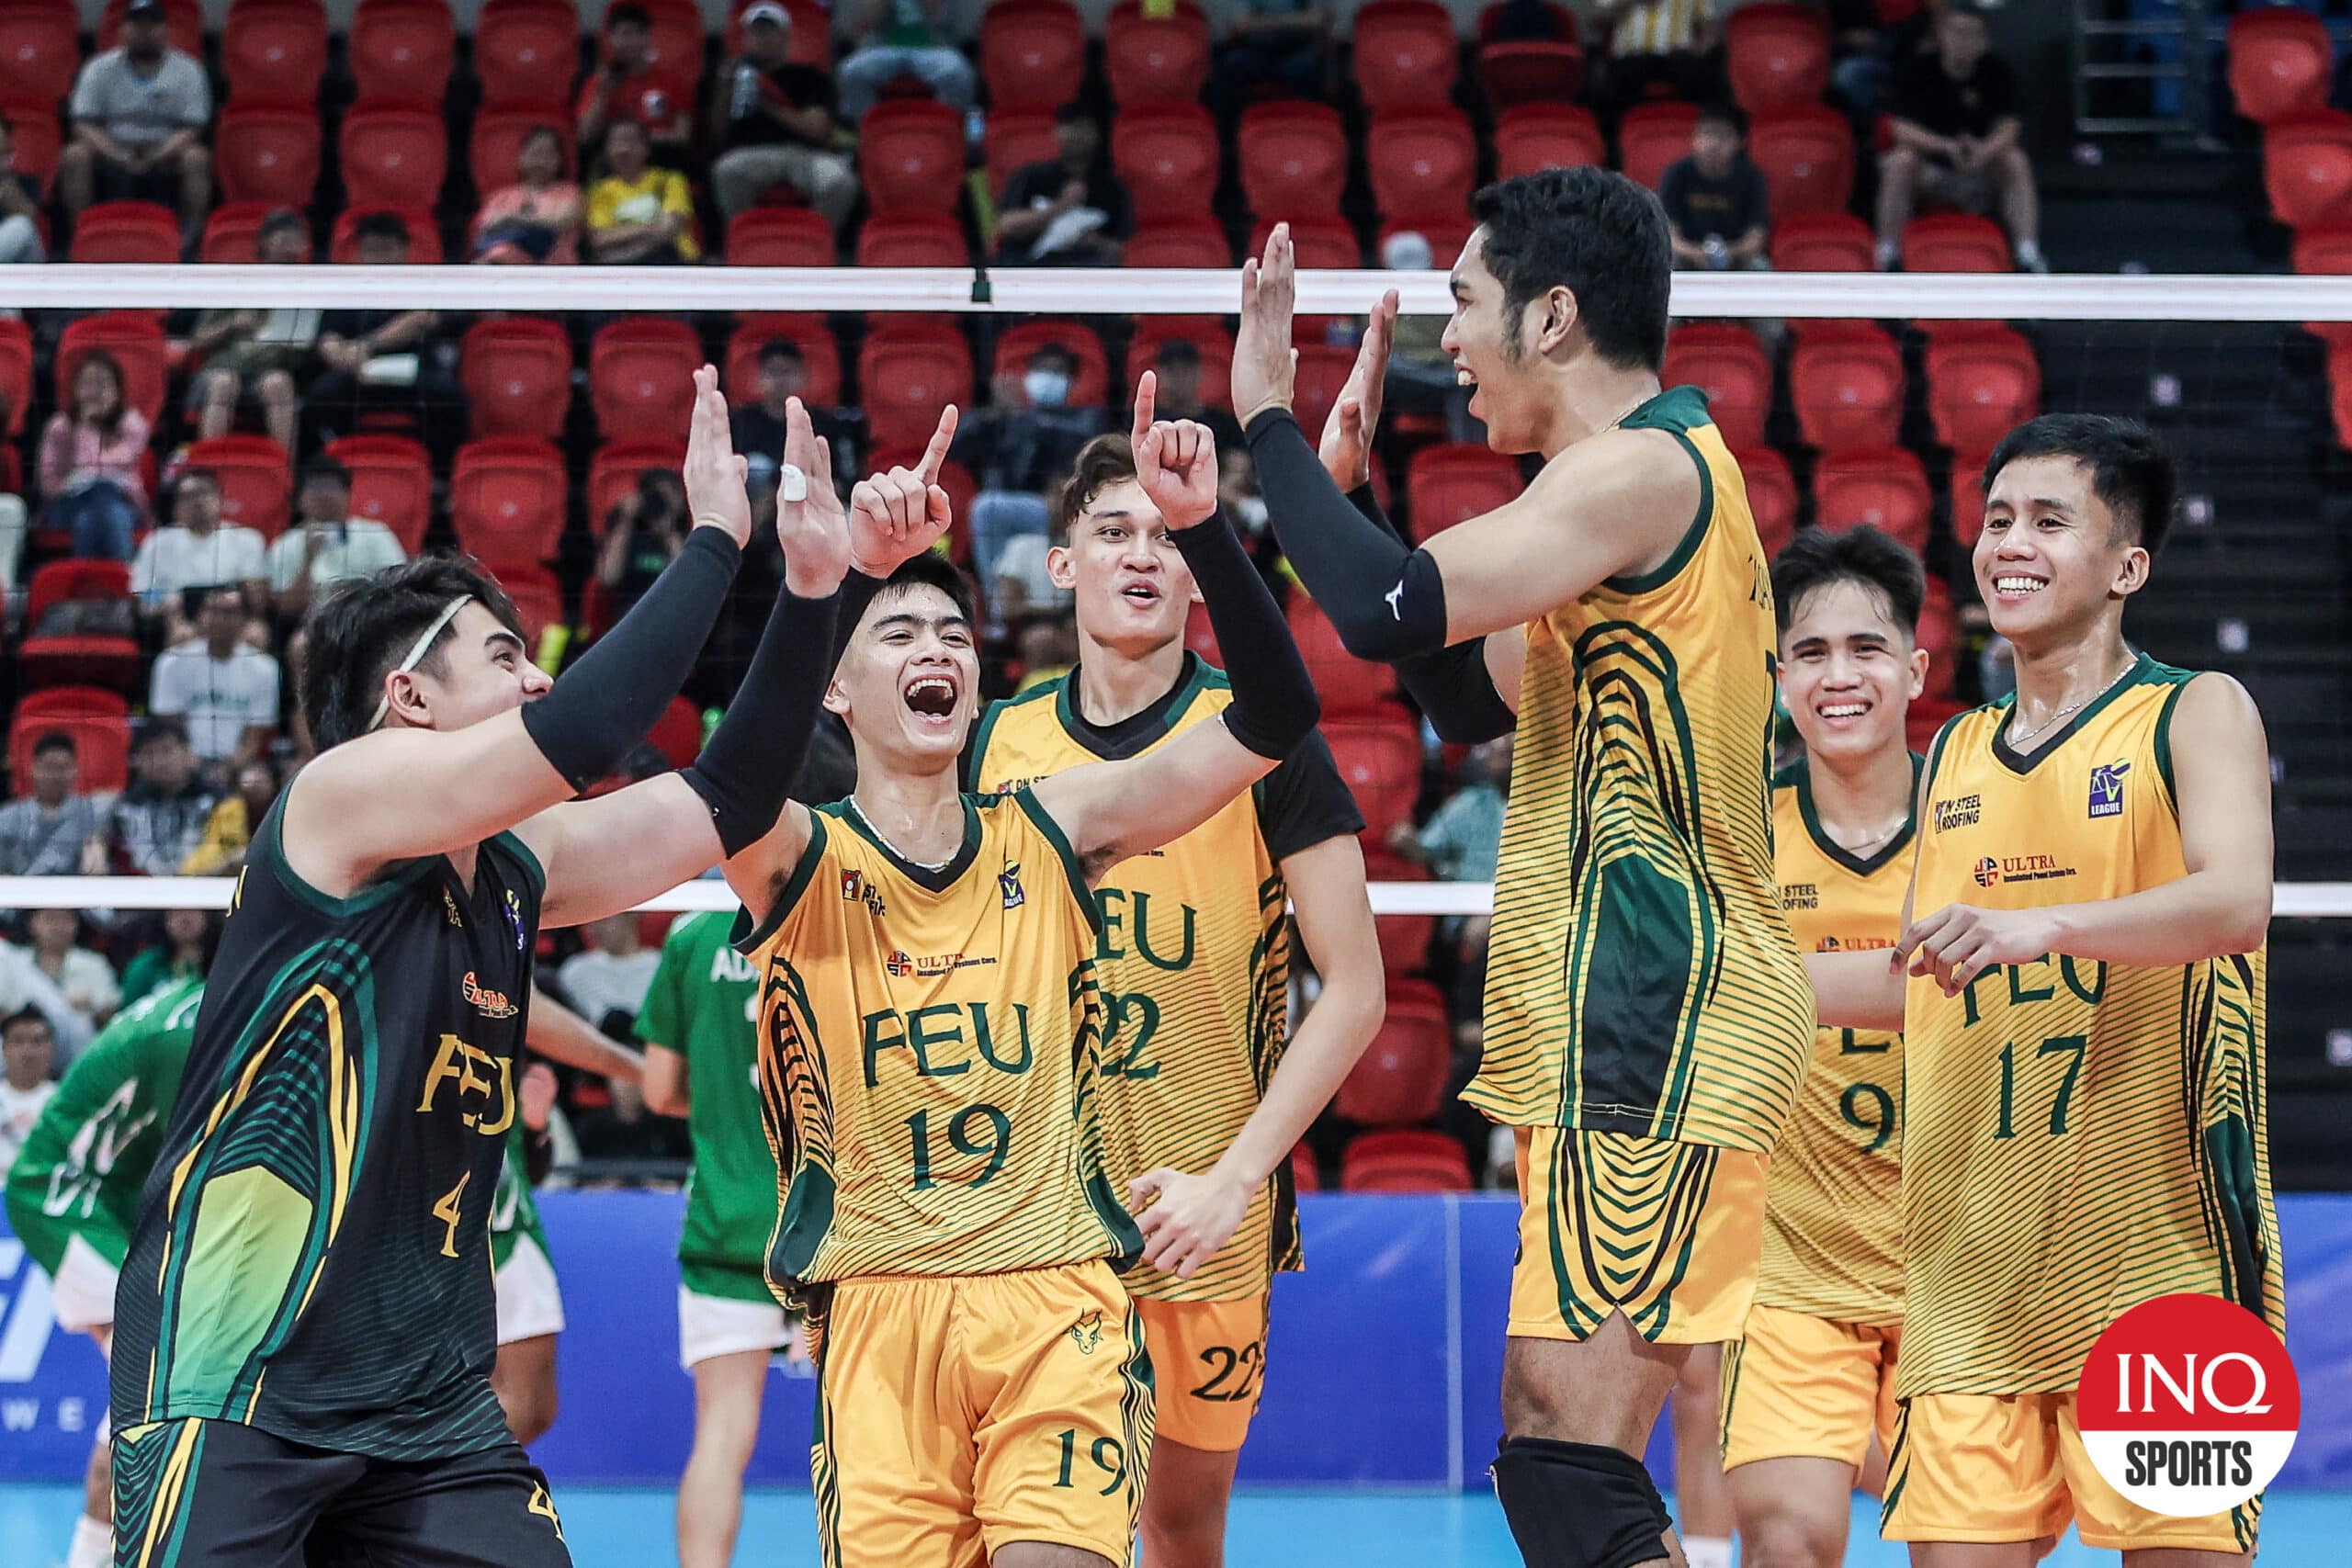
[
  {"x": 1055, "y": 351},
  {"x": 157, "y": 727},
  {"x": 2131, "y": 469},
  {"x": 55, "y": 740},
  {"x": 627, "y": 14},
  {"x": 1725, "y": 112},
  {"x": 1106, "y": 460},
  {"x": 23, "y": 1016},
  {"x": 1817, "y": 558},
  {"x": 1179, "y": 351},
  {"x": 932, "y": 570},
  {"x": 1597, "y": 234},
  {"x": 281, "y": 217},
  {"x": 782, "y": 348},
  {"x": 325, "y": 470},
  {"x": 359, "y": 633},
  {"x": 1073, "y": 113},
  {"x": 380, "y": 226}
]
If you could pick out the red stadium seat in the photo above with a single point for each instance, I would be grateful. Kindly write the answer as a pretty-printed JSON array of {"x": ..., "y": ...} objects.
[
  {"x": 1399, "y": 1081},
  {"x": 1402, "y": 1161},
  {"x": 34, "y": 139},
  {"x": 1206, "y": 333},
  {"x": 1557, "y": 22},
  {"x": 1776, "y": 55},
  {"x": 233, "y": 235},
  {"x": 1447, "y": 483},
  {"x": 1404, "y": 939},
  {"x": 677, "y": 735},
  {"x": 183, "y": 25},
  {"x": 640, "y": 378},
  {"x": 911, "y": 238},
  {"x": 1980, "y": 387},
  {"x": 1327, "y": 240},
  {"x": 612, "y": 474},
  {"x": 1089, "y": 388},
  {"x": 403, "y": 49},
  {"x": 423, "y": 235},
  {"x": 75, "y": 657},
  {"x": 673, "y": 39},
  {"x": 1168, "y": 156},
  {"x": 1886, "y": 489},
  {"x": 1322, "y": 372},
  {"x": 910, "y": 156},
  {"x": 909, "y": 370},
  {"x": 1293, "y": 159},
  {"x": 1821, "y": 242},
  {"x": 1303, "y": 1175},
  {"x": 1939, "y": 637},
  {"x": 127, "y": 232},
  {"x": 1954, "y": 241},
  {"x": 1014, "y": 141},
  {"x": 1966, "y": 493},
  {"x": 1529, "y": 137},
  {"x": 516, "y": 371},
  {"x": 1156, "y": 60},
  {"x": 500, "y": 132},
  {"x": 1349, "y": 687},
  {"x": 1807, "y": 154},
  {"x": 274, "y": 48},
  {"x": 526, "y": 51},
  {"x": 1730, "y": 365},
  {"x": 820, "y": 356},
  {"x": 101, "y": 733},
  {"x": 1447, "y": 233},
  {"x": 1533, "y": 72},
  {"x": 2307, "y": 167},
  {"x": 1652, "y": 138},
  {"x": 136, "y": 339},
  {"x": 507, "y": 498},
  {"x": 268, "y": 151},
  {"x": 812, "y": 32},
  {"x": 40, "y": 49},
  {"x": 16, "y": 375},
  {"x": 2281, "y": 62},
  {"x": 256, "y": 479},
  {"x": 391, "y": 483},
  {"x": 1772, "y": 497},
  {"x": 1179, "y": 242},
  {"x": 1381, "y": 761},
  {"x": 537, "y": 596},
  {"x": 1405, "y": 53},
  {"x": 1848, "y": 390},
  {"x": 1032, "y": 55},
  {"x": 394, "y": 154},
  {"x": 780, "y": 236},
  {"x": 1422, "y": 161}
]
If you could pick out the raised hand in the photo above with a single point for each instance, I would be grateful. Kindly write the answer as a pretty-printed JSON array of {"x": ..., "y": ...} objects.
[
  {"x": 1262, "y": 360},
  {"x": 896, "y": 516},
  {"x": 1346, "y": 447},
  {"x": 714, "y": 474},
  {"x": 1175, "y": 461},
  {"x": 810, "y": 526}
]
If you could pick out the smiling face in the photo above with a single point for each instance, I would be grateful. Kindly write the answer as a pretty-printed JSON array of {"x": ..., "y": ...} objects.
[
  {"x": 1848, "y": 671},
  {"x": 1131, "y": 586},
  {"x": 2053, "y": 555},
  {"x": 910, "y": 680},
  {"x": 1488, "y": 342}
]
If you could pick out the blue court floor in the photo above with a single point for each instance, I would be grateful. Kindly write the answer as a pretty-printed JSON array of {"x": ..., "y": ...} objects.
[{"x": 614, "y": 1527}]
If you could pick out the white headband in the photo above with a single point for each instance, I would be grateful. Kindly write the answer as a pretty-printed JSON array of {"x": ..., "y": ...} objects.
[{"x": 416, "y": 653}]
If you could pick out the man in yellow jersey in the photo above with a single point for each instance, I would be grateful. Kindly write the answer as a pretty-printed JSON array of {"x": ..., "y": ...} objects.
[
  {"x": 1646, "y": 1016},
  {"x": 2082, "y": 1023},
  {"x": 933, "y": 1035},
  {"x": 1202, "y": 1093},
  {"x": 1812, "y": 1382}
]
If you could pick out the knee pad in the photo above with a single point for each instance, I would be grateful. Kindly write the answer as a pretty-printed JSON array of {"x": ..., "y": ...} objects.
[{"x": 1579, "y": 1504}]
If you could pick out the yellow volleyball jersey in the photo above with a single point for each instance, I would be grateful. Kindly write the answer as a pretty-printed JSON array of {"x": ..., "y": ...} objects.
[
  {"x": 2081, "y": 1136},
  {"x": 929, "y": 1047},
  {"x": 1640, "y": 977},
  {"x": 1193, "y": 959},
  {"x": 1833, "y": 1218}
]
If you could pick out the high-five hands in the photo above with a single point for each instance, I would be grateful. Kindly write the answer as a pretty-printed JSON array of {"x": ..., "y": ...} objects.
[
  {"x": 896, "y": 516},
  {"x": 1175, "y": 460},
  {"x": 1346, "y": 447},
  {"x": 1263, "y": 361},
  {"x": 713, "y": 473}
]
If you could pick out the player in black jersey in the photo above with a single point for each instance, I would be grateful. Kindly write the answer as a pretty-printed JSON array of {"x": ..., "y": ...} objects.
[{"x": 306, "y": 1326}]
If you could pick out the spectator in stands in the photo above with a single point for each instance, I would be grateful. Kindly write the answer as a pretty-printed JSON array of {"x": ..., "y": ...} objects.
[
  {"x": 85, "y": 980},
  {"x": 225, "y": 689},
  {"x": 27, "y": 1058},
  {"x": 51, "y": 833},
  {"x": 160, "y": 818},
  {"x": 184, "y": 953},
  {"x": 775, "y": 120},
  {"x": 1179, "y": 374},
  {"x": 1273, "y": 49},
  {"x": 1048, "y": 645},
  {"x": 905, "y": 38},
  {"x": 1066, "y": 211},
  {"x": 93, "y": 462},
  {"x": 1660, "y": 48},
  {"x": 229, "y": 831},
  {"x": 1868, "y": 53},
  {"x": 1024, "y": 594},
  {"x": 606, "y": 981},
  {"x": 629, "y": 87},
  {"x": 383, "y": 364},
  {"x": 758, "y": 428},
  {"x": 639, "y": 214},
  {"x": 536, "y": 218},
  {"x": 198, "y": 552},
  {"x": 328, "y": 543},
  {"x": 249, "y": 355},
  {"x": 1461, "y": 843},
  {"x": 1715, "y": 201},
  {"x": 643, "y": 533},
  {"x": 140, "y": 112},
  {"x": 1421, "y": 378},
  {"x": 19, "y": 207},
  {"x": 1021, "y": 443},
  {"x": 1957, "y": 140}
]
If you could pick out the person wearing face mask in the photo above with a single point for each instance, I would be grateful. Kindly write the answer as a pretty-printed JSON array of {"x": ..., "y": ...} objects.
[{"x": 1021, "y": 446}]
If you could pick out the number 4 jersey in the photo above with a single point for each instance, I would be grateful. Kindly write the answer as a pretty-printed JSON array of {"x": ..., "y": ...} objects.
[{"x": 2080, "y": 1135}]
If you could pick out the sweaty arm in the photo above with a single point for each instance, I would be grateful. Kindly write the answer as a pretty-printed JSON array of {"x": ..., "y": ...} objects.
[{"x": 562, "y": 1035}]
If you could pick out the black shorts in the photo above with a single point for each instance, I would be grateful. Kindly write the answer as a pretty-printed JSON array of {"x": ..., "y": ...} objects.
[{"x": 192, "y": 1493}]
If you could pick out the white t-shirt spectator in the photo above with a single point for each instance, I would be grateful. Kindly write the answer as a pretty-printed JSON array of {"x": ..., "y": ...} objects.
[
  {"x": 142, "y": 111},
  {"x": 220, "y": 698},
  {"x": 362, "y": 545},
  {"x": 1024, "y": 560},
  {"x": 600, "y": 983},
  {"x": 175, "y": 559},
  {"x": 19, "y": 1108}
]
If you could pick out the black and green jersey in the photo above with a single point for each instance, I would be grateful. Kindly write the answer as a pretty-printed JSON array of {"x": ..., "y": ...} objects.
[
  {"x": 87, "y": 1157},
  {"x": 311, "y": 1253},
  {"x": 700, "y": 1005}
]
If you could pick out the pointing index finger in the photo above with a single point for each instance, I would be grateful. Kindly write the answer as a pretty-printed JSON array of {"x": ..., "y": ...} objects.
[
  {"x": 1146, "y": 404},
  {"x": 942, "y": 439}
]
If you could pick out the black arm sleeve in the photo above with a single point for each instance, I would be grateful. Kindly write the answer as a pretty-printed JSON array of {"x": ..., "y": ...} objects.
[
  {"x": 1274, "y": 706},
  {"x": 1453, "y": 685},
  {"x": 605, "y": 703},
  {"x": 1386, "y": 600},
  {"x": 539, "y": 1154},
  {"x": 748, "y": 763},
  {"x": 1304, "y": 801}
]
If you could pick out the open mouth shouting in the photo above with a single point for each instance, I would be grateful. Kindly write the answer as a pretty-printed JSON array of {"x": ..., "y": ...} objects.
[{"x": 931, "y": 698}]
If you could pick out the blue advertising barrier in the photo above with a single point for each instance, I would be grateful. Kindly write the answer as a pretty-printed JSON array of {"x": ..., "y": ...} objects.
[{"x": 1381, "y": 1371}]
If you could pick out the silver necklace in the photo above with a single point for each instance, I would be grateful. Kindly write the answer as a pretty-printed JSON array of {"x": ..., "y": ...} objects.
[
  {"x": 884, "y": 839},
  {"x": 2014, "y": 739},
  {"x": 1875, "y": 839}
]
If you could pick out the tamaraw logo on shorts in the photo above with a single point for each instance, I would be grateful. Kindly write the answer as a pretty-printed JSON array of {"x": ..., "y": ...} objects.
[
  {"x": 2188, "y": 1404},
  {"x": 2106, "y": 789},
  {"x": 1086, "y": 1332}
]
